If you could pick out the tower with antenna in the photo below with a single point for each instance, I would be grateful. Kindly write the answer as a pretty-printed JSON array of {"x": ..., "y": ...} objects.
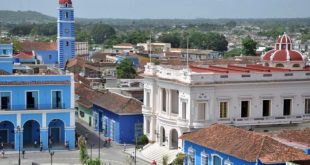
[{"x": 65, "y": 32}]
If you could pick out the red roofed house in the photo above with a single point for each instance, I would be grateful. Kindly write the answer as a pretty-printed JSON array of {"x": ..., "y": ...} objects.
[{"x": 225, "y": 145}]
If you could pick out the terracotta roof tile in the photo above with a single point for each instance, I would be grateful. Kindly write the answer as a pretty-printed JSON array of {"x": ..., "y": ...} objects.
[
  {"x": 300, "y": 136},
  {"x": 245, "y": 145},
  {"x": 30, "y": 45}
]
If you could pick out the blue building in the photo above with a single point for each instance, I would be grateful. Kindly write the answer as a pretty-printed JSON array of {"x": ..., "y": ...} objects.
[
  {"x": 118, "y": 117},
  {"x": 134, "y": 59},
  {"x": 65, "y": 36},
  {"x": 36, "y": 109},
  {"x": 6, "y": 57},
  {"x": 49, "y": 57},
  {"x": 226, "y": 145}
]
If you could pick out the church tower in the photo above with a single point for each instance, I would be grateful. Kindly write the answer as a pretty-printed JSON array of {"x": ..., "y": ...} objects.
[{"x": 65, "y": 32}]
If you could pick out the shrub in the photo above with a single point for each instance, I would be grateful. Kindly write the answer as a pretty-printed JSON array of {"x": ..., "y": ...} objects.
[{"x": 143, "y": 140}]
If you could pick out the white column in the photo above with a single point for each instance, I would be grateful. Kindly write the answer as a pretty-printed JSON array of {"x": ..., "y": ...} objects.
[
  {"x": 44, "y": 124},
  {"x": 18, "y": 120},
  {"x": 72, "y": 119}
]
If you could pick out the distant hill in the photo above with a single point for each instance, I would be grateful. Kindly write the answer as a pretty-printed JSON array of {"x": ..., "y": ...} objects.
[{"x": 18, "y": 17}]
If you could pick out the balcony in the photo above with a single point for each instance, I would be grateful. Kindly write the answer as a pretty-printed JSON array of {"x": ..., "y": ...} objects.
[
  {"x": 265, "y": 120},
  {"x": 182, "y": 122},
  {"x": 32, "y": 107}
]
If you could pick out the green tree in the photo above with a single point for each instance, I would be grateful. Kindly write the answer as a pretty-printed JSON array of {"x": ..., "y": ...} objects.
[
  {"x": 101, "y": 32},
  {"x": 17, "y": 47},
  {"x": 137, "y": 36},
  {"x": 249, "y": 46},
  {"x": 174, "y": 38},
  {"x": 125, "y": 70},
  {"x": 233, "y": 53}
]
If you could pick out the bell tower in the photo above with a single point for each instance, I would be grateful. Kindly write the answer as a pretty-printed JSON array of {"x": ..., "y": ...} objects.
[{"x": 65, "y": 32}]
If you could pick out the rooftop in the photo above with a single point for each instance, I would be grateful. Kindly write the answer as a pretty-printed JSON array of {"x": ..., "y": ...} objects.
[{"x": 245, "y": 145}]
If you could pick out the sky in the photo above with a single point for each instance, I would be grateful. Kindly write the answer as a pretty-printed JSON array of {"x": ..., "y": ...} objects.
[{"x": 169, "y": 9}]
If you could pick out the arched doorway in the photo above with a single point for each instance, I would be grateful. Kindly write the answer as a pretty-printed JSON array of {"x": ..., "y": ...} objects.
[
  {"x": 31, "y": 134},
  {"x": 162, "y": 136},
  {"x": 56, "y": 133},
  {"x": 174, "y": 139},
  {"x": 7, "y": 134}
]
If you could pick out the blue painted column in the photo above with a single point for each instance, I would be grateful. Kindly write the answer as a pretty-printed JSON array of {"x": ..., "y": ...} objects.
[
  {"x": 44, "y": 137},
  {"x": 70, "y": 137},
  {"x": 18, "y": 139}
]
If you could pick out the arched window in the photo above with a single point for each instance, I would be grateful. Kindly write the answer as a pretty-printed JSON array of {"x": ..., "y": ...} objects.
[
  {"x": 66, "y": 14},
  {"x": 204, "y": 158},
  {"x": 296, "y": 66},
  {"x": 67, "y": 43},
  {"x": 279, "y": 65},
  {"x": 266, "y": 64},
  {"x": 217, "y": 160}
]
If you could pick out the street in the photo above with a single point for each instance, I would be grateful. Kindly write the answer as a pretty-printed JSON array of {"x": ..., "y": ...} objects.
[{"x": 113, "y": 155}]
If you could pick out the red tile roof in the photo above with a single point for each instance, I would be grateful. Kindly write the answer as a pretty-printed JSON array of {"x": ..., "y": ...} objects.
[
  {"x": 30, "y": 45},
  {"x": 245, "y": 145},
  {"x": 237, "y": 69},
  {"x": 299, "y": 136},
  {"x": 110, "y": 101},
  {"x": 24, "y": 55}
]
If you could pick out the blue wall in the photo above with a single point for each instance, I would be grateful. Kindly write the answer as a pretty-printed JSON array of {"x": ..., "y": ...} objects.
[
  {"x": 65, "y": 35},
  {"x": 200, "y": 149},
  {"x": 127, "y": 129},
  {"x": 47, "y": 56},
  {"x": 6, "y": 50},
  {"x": 124, "y": 130}
]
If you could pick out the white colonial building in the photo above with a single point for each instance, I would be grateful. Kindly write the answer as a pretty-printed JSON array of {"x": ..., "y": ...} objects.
[{"x": 178, "y": 100}]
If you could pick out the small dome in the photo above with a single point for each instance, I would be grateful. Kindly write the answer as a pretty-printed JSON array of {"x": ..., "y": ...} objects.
[
  {"x": 283, "y": 51},
  {"x": 284, "y": 39},
  {"x": 62, "y": 2}
]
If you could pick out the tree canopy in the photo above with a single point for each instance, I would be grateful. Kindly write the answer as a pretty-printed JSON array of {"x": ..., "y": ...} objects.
[
  {"x": 125, "y": 69},
  {"x": 249, "y": 46},
  {"x": 101, "y": 32}
]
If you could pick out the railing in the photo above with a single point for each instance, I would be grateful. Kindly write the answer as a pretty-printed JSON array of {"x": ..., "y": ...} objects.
[
  {"x": 264, "y": 120},
  {"x": 182, "y": 122},
  {"x": 33, "y": 107}
]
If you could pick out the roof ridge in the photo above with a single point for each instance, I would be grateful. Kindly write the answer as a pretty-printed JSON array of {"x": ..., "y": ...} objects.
[{"x": 261, "y": 147}]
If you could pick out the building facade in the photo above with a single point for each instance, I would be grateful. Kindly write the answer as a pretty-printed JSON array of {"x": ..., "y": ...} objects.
[
  {"x": 225, "y": 145},
  {"x": 65, "y": 32},
  {"x": 118, "y": 117},
  {"x": 36, "y": 109},
  {"x": 6, "y": 57},
  {"x": 182, "y": 99}
]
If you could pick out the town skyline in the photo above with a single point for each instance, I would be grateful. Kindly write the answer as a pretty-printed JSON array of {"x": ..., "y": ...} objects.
[{"x": 213, "y": 9}]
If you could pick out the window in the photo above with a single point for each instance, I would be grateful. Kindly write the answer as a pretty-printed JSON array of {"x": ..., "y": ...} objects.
[
  {"x": 174, "y": 101},
  {"x": 204, "y": 158},
  {"x": 4, "y": 52},
  {"x": 66, "y": 15},
  {"x": 201, "y": 111},
  {"x": 50, "y": 57},
  {"x": 217, "y": 160},
  {"x": 105, "y": 126},
  {"x": 147, "y": 99},
  {"x": 184, "y": 110},
  {"x": 296, "y": 66},
  {"x": 82, "y": 114},
  {"x": 56, "y": 100},
  {"x": 245, "y": 108},
  {"x": 67, "y": 43},
  {"x": 112, "y": 129},
  {"x": 223, "y": 109},
  {"x": 191, "y": 157},
  {"x": 287, "y": 106},
  {"x": 307, "y": 106},
  {"x": 279, "y": 65},
  {"x": 5, "y": 100},
  {"x": 266, "y": 107},
  {"x": 32, "y": 98},
  {"x": 164, "y": 100}
]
